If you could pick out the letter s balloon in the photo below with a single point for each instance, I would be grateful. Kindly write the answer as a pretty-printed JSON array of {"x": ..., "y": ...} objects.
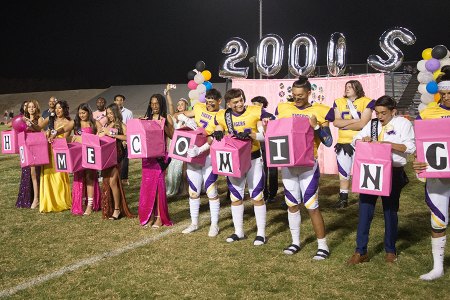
[{"x": 395, "y": 55}]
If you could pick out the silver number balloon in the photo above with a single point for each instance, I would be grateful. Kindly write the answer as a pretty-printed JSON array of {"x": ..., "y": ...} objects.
[
  {"x": 237, "y": 49},
  {"x": 310, "y": 44},
  {"x": 277, "y": 55},
  {"x": 395, "y": 55},
  {"x": 336, "y": 54}
]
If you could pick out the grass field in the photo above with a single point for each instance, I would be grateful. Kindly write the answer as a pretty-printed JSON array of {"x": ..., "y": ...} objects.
[{"x": 58, "y": 255}]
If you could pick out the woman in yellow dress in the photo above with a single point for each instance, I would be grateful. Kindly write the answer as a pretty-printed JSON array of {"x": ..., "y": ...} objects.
[{"x": 54, "y": 192}]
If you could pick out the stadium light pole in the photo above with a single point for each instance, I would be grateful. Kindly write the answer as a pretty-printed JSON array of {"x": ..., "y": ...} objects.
[{"x": 260, "y": 25}]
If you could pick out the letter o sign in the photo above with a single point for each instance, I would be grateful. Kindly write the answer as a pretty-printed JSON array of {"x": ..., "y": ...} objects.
[{"x": 181, "y": 146}]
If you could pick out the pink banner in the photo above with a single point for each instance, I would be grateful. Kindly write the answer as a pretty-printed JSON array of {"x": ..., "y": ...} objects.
[{"x": 324, "y": 90}]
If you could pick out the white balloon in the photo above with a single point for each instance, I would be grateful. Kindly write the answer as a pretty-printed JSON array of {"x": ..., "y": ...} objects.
[
  {"x": 193, "y": 94},
  {"x": 445, "y": 62},
  {"x": 421, "y": 107},
  {"x": 421, "y": 65},
  {"x": 422, "y": 88},
  {"x": 201, "y": 88},
  {"x": 199, "y": 79},
  {"x": 424, "y": 77},
  {"x": 426, "y": 98}
]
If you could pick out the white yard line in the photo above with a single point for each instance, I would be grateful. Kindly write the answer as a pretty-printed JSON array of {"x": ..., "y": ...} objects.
[{"x": 93, "y": 260}]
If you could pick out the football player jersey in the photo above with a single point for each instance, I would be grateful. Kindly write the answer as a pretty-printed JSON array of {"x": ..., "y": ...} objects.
[
  {"x": 360, "y": 104},
  {"x": 322, "y": 112},
  {"x": 434, "y": 111},
  {"x": 246, "y": 122},
  {"x": 204, "y": 118}
]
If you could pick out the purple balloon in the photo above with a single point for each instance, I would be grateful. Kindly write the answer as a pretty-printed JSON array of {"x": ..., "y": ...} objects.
[
  {"x": 202, "y": 98},
  {"x": 19, "y": 124},
  {"x": 432, "y": 65}
]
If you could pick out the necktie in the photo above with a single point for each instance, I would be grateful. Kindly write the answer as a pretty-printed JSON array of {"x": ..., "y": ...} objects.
[{"x": 381, "y": 135}]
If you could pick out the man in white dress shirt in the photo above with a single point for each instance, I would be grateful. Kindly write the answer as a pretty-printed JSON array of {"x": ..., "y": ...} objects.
[
  {"x": 398, "y": 132},
  {"x": 126, "y": 115}
]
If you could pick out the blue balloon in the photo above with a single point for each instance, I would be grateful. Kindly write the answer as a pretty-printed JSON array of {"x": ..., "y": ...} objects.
[
  {"x": 432, "y": 87},
  {"x": 208, "y": 85}
]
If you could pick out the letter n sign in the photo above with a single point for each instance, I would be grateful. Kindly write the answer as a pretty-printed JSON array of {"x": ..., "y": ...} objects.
[
  {"x": 7, "y": 142},
  {"x": 279, "y": 150},
  {"x": 61, "y": 161},
  {"x": 90, "y": 155},
  {"x": 181, "y": 146},
  {"x": 371, "y": 177},
  {"x": 136, "y": 144},
  {"x": 437, "y": 156},
  {"x": 224, "y": 162}
]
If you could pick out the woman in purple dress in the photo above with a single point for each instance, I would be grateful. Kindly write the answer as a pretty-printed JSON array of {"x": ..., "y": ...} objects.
[{"x": 29, "y": 181}]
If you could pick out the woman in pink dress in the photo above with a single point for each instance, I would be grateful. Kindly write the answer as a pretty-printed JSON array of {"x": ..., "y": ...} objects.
[
  {"x": 153, "y": 208},
  {"x": 85, "y": 182}
]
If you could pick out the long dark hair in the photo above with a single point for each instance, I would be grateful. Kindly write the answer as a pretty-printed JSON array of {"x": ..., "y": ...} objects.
[
  {"x": 21, "y": 111},
  {"x": 65, "y": 107},
  {"x": 118, "y": 120},
  {"x": 162, "y": 107},
  {"x": 77, "y": 120}
]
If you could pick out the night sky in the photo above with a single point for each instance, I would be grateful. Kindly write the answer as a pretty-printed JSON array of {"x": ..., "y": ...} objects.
[{"x": 103, "y": 43}]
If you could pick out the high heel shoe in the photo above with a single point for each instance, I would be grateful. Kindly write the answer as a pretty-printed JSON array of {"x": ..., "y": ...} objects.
[
  {"x": 157, "y": 223},
  {"x": 88, "y": 210},
  {"x": 35, "y": 204},
  {"x": 113, "y": 217}
]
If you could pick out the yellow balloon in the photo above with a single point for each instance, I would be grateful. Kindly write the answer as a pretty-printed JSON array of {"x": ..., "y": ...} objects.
[
  {"x": 436, "y": 74},
  {"x": 437, "y": 97},
  {"x": 207, "y": 75},
  {"x": 426, "y": 54}
]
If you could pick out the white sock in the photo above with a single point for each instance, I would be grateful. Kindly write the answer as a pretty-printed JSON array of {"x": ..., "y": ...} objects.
[
  {"x": 322, "y": 244},
  {"x": 214, "y": 208},
  {"x": 260, "y": 215},
  {"x": 294, "y": 220},
  {"x": 237, "y": 212},
  {"x": 194, "y": 207},
  {"x": 437, "y": 248},
  {"x": 343, "y": 191},
  {"x": 90, "y": 201}
]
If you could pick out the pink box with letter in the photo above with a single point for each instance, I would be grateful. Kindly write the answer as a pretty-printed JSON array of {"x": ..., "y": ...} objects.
[{"x": 231, "y": 156}]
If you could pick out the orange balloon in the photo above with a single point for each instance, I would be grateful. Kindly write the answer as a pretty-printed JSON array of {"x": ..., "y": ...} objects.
[
  {"x": 437, "y": 97},
  {"x": 426, "y": 54},
  {"x": 207, "y": 75}
]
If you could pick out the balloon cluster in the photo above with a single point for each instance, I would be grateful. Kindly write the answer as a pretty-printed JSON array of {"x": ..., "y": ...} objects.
[
  {"x": 199, "y": 82},
  {"x": 429, "y": 70}
]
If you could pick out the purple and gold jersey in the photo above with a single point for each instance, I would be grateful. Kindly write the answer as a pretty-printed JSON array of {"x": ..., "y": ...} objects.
[
  {"x": 360, "y": 104},
  {"x": 246, "y": 122},
  {"x": 322, "y": 112},
  {"x": 204, "y": 118},
  {"x": 434, "y": 111}
]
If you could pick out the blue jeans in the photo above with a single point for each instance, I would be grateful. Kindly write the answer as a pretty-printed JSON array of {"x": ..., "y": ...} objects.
[{"x": 390, "y": 209}]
